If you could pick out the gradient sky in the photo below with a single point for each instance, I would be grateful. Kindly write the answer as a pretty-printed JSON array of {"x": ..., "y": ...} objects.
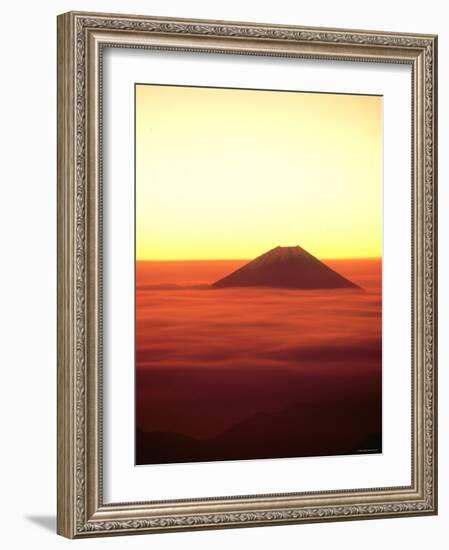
[{"x": 227, "y": 174}]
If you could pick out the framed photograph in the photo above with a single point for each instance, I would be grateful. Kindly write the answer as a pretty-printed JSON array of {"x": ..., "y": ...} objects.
[{"x": 246, "y": 274}]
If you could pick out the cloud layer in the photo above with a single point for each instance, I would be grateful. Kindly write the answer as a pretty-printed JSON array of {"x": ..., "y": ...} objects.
[{"x": 209, "y": 359}]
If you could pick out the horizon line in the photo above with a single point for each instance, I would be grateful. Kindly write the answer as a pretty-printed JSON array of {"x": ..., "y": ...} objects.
[{"x": 248, "y": 259}]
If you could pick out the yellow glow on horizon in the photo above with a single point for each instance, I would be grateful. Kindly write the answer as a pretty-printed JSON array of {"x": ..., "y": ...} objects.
[{"x": 227, "y": 174}]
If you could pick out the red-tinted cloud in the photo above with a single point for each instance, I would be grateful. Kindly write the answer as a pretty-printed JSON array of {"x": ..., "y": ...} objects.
[{"x": 209, "y": 359}]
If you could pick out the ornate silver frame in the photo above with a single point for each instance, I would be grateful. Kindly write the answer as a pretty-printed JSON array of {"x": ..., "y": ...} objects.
[{"x": 81, "y": 38}]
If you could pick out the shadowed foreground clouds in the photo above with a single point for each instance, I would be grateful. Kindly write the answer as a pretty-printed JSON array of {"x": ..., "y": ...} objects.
[{"x": 255, "y": 373}]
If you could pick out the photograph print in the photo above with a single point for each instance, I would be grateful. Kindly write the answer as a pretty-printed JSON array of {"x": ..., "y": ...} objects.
[{"x": 258, "y": 274}]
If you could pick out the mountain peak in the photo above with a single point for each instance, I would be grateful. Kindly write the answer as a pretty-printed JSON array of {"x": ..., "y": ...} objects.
[{"x": 285, "y": 267}]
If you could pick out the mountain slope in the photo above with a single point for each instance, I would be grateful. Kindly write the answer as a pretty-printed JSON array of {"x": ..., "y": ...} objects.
[
  {"x": 285, "y": 267},
  {"x": 339, "y": 428}
]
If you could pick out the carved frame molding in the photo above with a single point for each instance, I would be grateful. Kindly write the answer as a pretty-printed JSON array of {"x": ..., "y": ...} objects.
[{"x": 81, "y": 39}]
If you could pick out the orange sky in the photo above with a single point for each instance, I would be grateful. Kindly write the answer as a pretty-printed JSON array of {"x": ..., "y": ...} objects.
[{"x": 225, "y": 174}]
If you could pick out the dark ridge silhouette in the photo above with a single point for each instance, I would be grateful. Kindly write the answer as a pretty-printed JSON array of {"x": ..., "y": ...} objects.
[
  {"x": 285, "y": 267},
  {"x": 285, "y": 433}
]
